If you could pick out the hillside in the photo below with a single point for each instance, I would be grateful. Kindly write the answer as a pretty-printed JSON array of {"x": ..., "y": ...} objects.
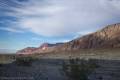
[
  {"x": 45, "y": 47},
  {"x": 107, "y": 37}
]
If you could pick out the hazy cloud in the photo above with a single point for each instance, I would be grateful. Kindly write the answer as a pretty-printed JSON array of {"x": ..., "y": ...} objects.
[
  {"x": 63, "y": 17},
  {"x": 11, "y": 29}
]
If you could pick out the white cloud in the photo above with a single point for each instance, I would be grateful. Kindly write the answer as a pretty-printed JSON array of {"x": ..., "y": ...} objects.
[
  {"x": 11, "y": 29},
  {"x": 47, "y": 40},
  {"x": 63, "y": 17}
]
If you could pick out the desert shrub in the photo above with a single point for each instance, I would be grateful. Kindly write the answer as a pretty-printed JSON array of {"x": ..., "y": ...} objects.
[
  {"x": 1, "y": 64},
  {"x": 24, "y": 61},
  {"x": 76, "y": 69}
]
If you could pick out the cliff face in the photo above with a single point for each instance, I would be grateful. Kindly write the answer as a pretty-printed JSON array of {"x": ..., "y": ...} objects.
[{"x": 109, "y": 37}]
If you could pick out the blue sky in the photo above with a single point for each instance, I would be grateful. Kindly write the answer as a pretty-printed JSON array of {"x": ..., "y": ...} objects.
[{"x": 26, "y": 23}]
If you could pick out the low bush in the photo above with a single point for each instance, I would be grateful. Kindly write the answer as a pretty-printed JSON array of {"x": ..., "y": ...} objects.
[
  {"x": 76, "y": 69},
  {"x": 1, "y": 64},
  {"x": 24, "y": 61}
]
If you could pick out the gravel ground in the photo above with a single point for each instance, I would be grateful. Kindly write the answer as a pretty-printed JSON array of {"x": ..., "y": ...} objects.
[
  {"x": 50, "y": 69},
  {"x": 40, "y": 70}
]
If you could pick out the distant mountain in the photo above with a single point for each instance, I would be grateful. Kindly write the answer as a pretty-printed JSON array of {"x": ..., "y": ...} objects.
[
  {"x": 108, "y": 37},
  {"x": 45, "y": 47},
  {"x": 27, "y": 50}
]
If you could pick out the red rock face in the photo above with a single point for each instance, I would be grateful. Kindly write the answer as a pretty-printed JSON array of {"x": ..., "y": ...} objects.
[{"x": 109, "y": 37}]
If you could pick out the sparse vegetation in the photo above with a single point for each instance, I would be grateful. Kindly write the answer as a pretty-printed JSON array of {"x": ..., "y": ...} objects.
[
  {"x": 24, "y": 61},
  {"x": 1, "y": 64},
  {"x": 76, "y": 69},
  {"x": 7, "y": 58}
]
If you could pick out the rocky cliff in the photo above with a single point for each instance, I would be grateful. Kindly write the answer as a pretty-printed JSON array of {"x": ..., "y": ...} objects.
[{"x": 109, "y": 37}]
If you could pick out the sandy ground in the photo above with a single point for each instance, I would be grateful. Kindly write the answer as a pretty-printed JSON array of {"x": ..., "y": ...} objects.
[
  {"x": 40, "y": 70},
  {"x": 50, "y": 69}
]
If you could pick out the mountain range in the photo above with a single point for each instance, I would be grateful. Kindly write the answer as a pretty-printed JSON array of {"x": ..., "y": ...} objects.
[{"x": 108, "y": 37}]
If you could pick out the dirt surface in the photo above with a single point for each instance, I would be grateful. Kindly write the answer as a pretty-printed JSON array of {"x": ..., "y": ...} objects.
[{"x": 40, "y": 70}]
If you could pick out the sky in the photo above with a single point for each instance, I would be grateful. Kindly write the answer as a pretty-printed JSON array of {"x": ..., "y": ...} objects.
[{"x": 26, "y": 23}]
